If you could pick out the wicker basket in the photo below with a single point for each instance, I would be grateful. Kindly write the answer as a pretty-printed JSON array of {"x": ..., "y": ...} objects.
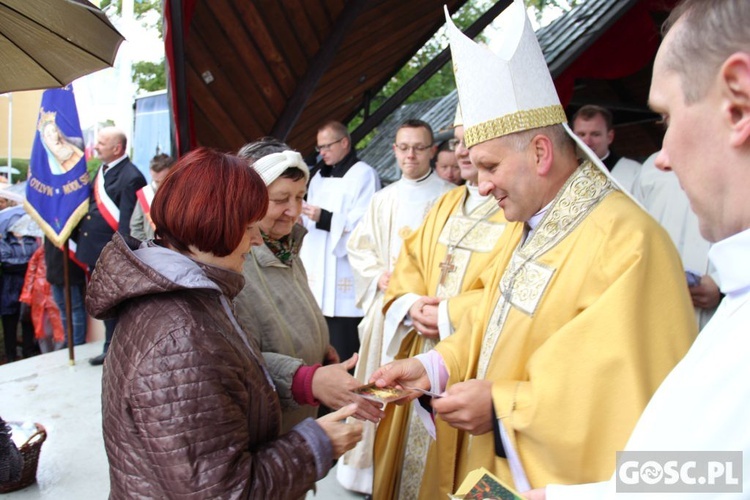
[{"x": 30, "y": 452}]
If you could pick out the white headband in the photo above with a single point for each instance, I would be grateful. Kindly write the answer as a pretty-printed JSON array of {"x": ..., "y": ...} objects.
[{"x": 270, "y": 167}]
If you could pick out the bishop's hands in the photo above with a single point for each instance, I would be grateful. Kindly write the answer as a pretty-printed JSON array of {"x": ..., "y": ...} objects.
[
  {"x": 343, "y": 436},
  {"x": 467, "y": 406},
  {"x": 424, "y": 316},
  {"x": 332, "y": 386},
  {"x": 403, "y": 373}
]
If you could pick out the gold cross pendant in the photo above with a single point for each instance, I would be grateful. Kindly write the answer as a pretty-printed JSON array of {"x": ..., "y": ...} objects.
[{"x": 446, "y": 267}]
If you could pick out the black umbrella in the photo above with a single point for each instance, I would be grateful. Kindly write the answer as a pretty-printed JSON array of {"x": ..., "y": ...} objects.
[{"x": 50, "y": 43}]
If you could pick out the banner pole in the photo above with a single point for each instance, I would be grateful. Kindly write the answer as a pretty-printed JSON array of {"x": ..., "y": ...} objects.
[{"x": 68, "y": 306}]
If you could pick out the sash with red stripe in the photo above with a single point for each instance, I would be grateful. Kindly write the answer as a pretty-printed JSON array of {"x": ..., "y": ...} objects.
[
  {"x": 72, "y": 248},
  {"x": 145, "y": 197},
  {"x": 107, "y": 207}
]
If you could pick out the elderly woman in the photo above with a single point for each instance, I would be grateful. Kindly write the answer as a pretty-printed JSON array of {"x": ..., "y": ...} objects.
[
  {"x": 189, "y": 409},
  {"x": 277, "y": 305}
]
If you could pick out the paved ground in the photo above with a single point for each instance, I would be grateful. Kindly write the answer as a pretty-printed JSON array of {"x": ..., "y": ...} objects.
[{"x": 66, "y": 399}]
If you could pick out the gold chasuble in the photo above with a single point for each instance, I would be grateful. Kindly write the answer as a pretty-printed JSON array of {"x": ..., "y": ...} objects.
[
  {"x": 576, "y": 329},
  {"x": 465, "y": 244}
]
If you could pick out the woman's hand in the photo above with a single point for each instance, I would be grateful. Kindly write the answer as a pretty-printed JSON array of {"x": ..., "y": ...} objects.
[
  {"x": 332, "y": 386},
  {"x": 343, "y": 435}
]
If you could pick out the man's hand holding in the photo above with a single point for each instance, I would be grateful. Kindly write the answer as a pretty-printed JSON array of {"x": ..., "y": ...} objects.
[
  {"x": 384, "y": 280},
  {"x": 424, "y": 316},
  {"x": 403, "y": 372},
  {"x": 706, "y": 294},
  {"x": 467, "y": 406},
  {"x": 311, "y": 212}
]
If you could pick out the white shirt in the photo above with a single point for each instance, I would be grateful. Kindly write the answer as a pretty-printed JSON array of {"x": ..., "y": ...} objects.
[{"x": 704, "y": 403}]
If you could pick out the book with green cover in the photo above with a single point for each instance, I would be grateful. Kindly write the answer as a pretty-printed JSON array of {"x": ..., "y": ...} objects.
[{"x": 481, "y": 484}]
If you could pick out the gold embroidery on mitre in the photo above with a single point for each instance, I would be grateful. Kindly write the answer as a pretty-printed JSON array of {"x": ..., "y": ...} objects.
[{"x": 526, "y": 119}]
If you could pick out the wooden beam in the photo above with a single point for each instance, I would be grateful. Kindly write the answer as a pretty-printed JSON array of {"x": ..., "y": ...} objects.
[
  {"x": 318, "y": 65},
  {"x": 180, "y": 79},
  {"x": 424, "y": 74}
]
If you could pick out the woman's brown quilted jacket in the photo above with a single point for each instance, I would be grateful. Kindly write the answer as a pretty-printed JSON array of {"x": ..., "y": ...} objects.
[{"x": 188, "y": 408}]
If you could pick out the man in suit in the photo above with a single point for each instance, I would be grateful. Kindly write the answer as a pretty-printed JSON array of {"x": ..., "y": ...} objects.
[{"x": 113, "y": 199}]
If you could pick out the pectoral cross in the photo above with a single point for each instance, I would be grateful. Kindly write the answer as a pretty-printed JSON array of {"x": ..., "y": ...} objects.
[{"x": 446, "y": 267}]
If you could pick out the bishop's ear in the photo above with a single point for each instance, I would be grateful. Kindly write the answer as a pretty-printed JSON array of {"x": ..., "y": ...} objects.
[
  {"x": 735, "y": 73},
  {"x": 542, "y": 149}
]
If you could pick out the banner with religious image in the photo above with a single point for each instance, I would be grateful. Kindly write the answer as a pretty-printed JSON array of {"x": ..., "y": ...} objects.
[{"x": 58, "y": 188}]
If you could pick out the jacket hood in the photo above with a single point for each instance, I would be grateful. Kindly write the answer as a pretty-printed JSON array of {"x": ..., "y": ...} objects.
[{"x": 126, "y": 271}]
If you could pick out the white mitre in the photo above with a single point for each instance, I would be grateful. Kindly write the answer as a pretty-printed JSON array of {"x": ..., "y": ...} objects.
[
  {"x": 458, "y": 120},
  {"x": 510, "y": 91}
]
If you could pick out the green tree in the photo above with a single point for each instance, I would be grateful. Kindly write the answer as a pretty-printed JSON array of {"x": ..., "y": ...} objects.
[
  {"x": 439, "y": 84},
  {"x": 442, "y": 82},
  {"x": 150, "y": 76}
]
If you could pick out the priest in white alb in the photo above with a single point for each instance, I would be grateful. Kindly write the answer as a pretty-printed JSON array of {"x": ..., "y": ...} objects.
[
  {"x": 340, "y": 189},
  {"x": 662, "y": 196},
  {"x": 395, "y": 212},
  {"x": 703, "y": 407}
]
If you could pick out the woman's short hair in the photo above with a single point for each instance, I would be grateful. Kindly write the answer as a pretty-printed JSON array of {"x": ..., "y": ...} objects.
[{"x": 207, "y": 201}]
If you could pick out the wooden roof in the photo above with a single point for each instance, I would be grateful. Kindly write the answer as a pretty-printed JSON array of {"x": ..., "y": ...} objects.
[{"x": 283, "y": 67}]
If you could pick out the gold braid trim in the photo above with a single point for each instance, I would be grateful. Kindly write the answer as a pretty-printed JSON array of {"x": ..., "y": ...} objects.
[{"x": 515, "y": 122}]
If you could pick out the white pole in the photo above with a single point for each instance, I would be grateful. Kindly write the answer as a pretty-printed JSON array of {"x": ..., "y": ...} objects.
[{"x": 10, "y": 138}]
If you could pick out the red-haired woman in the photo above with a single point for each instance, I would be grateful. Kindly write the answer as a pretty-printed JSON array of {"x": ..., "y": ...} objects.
[{"x": 189, "y": 410}]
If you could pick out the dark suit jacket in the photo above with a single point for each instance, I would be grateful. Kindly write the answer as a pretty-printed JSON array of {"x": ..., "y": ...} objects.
[{"x": 121, "y": 183}]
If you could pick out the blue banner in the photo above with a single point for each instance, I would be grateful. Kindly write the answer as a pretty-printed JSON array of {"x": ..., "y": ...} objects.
[{"x": 58, "y": 188}]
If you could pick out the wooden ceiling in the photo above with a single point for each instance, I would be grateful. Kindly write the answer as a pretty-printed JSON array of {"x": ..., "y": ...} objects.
[{"x": 283, "y": 67}]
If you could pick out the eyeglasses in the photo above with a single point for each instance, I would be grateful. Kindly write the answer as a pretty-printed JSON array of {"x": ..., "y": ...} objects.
[
  {"x": 418, "y": 148},
  {"x": 323, "y": 147},
  {"x": 453, "y": 143}
]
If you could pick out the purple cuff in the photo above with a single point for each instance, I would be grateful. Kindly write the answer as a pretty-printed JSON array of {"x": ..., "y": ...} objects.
[
  {"x": 436, "y": 371},
  {"x": 320, "y": 445},
  {"x": 302, "y": 385}
]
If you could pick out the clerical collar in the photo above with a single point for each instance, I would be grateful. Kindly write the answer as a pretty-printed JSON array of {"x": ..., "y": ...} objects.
[
  {"x": 341, "y": 168},
  {"x": 537, "y": 217},
  {"x": 729, "y": 258},
  {"x": 417, "y": 181},
  {"x": 610, "y": 160},
  {"x": 473, "y": 198}
]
